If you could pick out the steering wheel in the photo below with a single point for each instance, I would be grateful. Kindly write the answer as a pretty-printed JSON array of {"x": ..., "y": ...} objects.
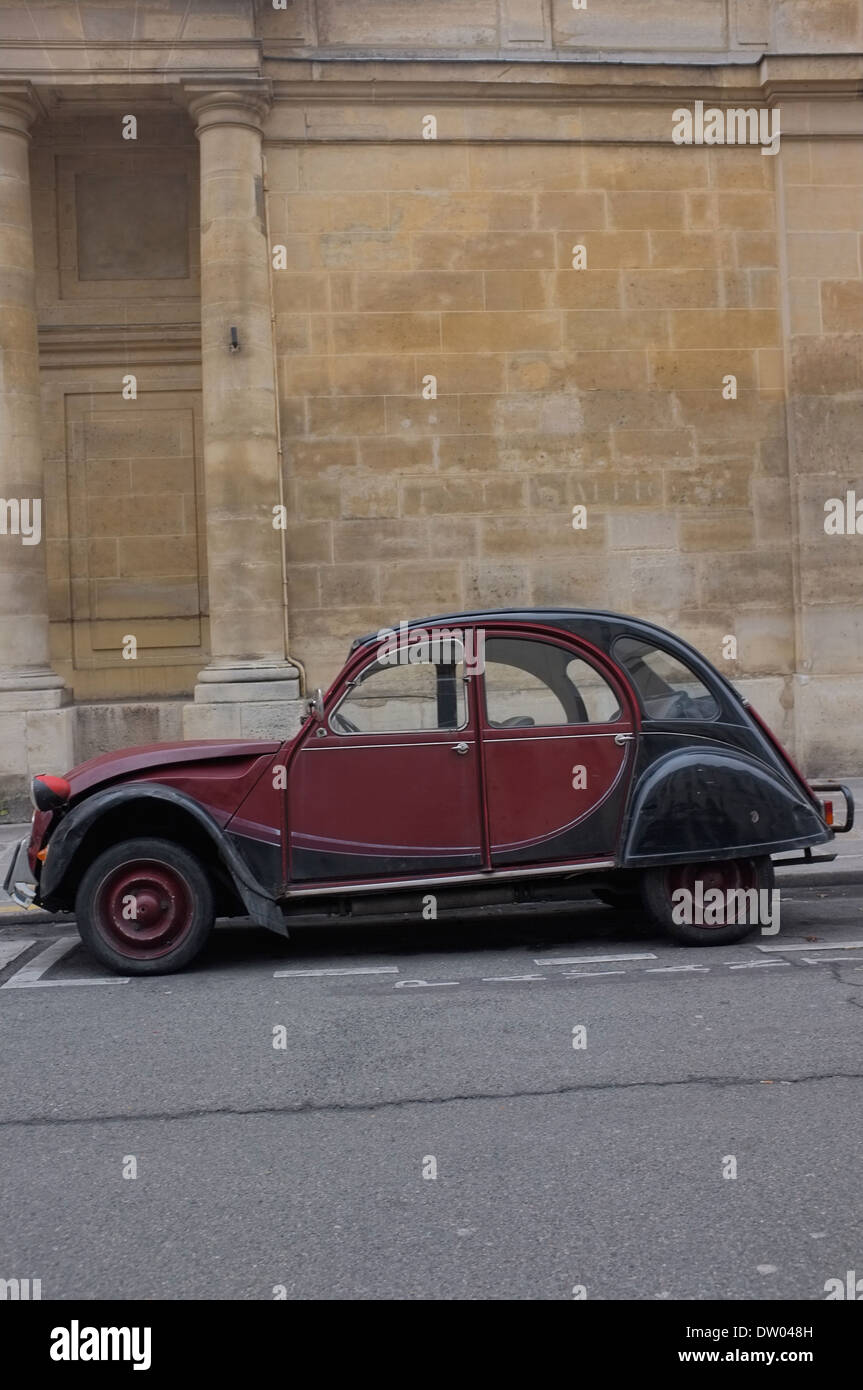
[{"x": 342, "y": 722}]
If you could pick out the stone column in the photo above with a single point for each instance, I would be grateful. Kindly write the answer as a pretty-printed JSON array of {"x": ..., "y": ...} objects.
[
  {"x": 36, "y": 731},
  {"x": 245, "y": 687}
]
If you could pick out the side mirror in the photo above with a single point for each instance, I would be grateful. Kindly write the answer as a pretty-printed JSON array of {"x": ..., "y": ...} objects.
[{"x": 316, "y": 705}]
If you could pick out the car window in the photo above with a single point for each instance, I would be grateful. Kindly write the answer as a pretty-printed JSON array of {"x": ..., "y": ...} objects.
[
  {"x": 531, "y": 683},
  {"x": 389, "y": 697},
  {"x": 668, "y": 689}
]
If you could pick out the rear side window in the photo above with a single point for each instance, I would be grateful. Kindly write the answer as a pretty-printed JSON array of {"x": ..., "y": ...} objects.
[
  {"x": 668, "y": 689},
  {"x": 532, "y": 683}
]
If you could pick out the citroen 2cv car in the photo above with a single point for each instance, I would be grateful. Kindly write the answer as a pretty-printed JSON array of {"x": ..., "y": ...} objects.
[{"x": 483, "y": 761}]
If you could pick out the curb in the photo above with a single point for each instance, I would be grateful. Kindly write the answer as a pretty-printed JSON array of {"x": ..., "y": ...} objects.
[{"x": 838, "y": 879}]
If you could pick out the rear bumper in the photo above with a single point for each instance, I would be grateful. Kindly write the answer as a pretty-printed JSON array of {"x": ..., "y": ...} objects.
[
  {"x": 16, "y": 876},
  {"x": 849, "y": 803},
  {"x": 807, "y": 857}
]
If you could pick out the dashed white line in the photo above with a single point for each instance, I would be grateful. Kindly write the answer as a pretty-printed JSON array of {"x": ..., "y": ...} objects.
[
  {"x": 10, "y": 949},
  {"x": 30, "y": 976},
  {"x": 825, "y": 960},
  {"x": 808, "y": 946},
  {"x": 316, "y": 974},
  {"x": 593, "y": 960},
  {"x": 755, "y": 964},
  {"x": 423, "y": 984},
  {"x": 492, "y": 979},
  {"x": 589, "y": 974},
  {"x": 674, "y": 969}
]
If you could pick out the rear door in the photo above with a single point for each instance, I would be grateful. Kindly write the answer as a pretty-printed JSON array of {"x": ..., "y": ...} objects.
[{"x": 558, "y": 742}]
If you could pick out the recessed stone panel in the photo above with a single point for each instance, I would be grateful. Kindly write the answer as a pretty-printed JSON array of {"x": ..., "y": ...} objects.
[
  {"x": 132, "y": 226},
  {"x": 632, "y": 24}
]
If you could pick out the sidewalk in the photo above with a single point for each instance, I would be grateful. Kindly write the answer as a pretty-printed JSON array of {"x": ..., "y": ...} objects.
[{"x": 847, "y": 867}]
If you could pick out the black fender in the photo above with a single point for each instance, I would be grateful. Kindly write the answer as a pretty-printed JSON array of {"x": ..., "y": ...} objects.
[
  {"x": 67, "y": 839},
  {"x": 708, "y": 804}
]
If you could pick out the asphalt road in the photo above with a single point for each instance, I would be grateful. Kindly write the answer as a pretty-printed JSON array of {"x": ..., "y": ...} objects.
[{"x": 301, "y": 1168}]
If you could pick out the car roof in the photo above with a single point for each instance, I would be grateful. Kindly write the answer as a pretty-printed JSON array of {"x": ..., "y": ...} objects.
[
  {"x": 584, "y": 621},
  {"x": 600, "y": 626}
]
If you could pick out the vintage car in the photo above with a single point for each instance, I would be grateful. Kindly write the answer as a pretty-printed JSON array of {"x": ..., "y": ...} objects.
[{"x": 469, "y": 763}]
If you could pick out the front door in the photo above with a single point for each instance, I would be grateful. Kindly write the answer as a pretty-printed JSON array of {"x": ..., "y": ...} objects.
[
  {"x": 388, "y": 786},
  {"x": 558, "y": 747}
]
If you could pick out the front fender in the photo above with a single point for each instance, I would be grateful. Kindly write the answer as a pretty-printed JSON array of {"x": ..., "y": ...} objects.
[
  {"x": 65, "y": 844},
  {"x": 708, "y": 804}
]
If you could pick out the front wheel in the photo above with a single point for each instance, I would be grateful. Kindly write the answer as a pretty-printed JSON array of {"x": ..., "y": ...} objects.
[
  {"x": 674, "y": 896},
  {"x": 145, "y": 907}
]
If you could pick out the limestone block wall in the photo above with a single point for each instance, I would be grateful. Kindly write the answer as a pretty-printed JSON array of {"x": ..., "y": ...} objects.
[
  {"x": 522, "y": 318},
  {"x": 821, "y": 211},
  {"x": 556, "y": 387}
]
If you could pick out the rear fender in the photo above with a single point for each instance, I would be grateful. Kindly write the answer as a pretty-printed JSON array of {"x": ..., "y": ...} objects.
[{"x": 709, "y": 804}]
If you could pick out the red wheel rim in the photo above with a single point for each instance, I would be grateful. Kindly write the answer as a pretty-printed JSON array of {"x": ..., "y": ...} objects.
[
  {"x": 144, "y": 909},
  {"x": 726, "y": 875}
]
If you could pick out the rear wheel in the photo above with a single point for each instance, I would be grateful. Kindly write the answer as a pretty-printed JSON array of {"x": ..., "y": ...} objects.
[
  {"x": 145, "y": 907},
  {"x": 660, "y": 885}
]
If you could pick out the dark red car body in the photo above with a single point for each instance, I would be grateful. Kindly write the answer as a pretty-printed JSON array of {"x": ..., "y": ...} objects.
[{"x": 311, "y": 826}]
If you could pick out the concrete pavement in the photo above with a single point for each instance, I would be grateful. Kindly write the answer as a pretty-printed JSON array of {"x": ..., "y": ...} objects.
[{"x": 279, "y": 1122}]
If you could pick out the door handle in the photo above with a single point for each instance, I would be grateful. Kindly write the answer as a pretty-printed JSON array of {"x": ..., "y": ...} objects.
[
  {"x": 622, "y": 738},
  {"x": 460, "y": 748}
]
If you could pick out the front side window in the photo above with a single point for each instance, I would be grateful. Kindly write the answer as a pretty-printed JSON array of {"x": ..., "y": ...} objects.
[
  {"x": 534, "y": 683},
  {"x": 390, "y": 697},
  {"x": 668, "y": 689}
]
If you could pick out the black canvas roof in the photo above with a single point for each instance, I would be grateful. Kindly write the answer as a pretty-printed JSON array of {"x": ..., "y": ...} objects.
[{"x": 585, "y": 621}]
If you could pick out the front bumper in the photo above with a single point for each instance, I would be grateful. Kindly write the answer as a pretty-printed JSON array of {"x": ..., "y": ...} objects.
[{"x": 16, "y": 876}]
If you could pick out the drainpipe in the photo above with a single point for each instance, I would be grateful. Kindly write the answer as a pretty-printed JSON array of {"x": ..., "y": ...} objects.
[{"x": 278, "y": 414}]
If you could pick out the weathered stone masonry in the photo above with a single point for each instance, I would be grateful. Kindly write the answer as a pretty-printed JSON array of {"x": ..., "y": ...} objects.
[{"x": 407, "y": 258}]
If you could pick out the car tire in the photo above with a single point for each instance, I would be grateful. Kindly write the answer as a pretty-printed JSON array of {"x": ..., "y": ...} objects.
[
  {"x": 659, "y": 885},
  {"x": 166, "y": 889}
]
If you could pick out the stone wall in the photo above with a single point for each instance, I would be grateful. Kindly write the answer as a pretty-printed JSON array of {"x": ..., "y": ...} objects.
[
  {"x": 450, "y": 385},
  {"x": 555, "y": 386}
]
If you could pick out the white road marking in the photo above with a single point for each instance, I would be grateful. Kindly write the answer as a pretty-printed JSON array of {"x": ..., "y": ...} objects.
[
  {"x": 30, "y": 976},
  {"x": 316, "y": 974},
  {"x": 808, "y": 946},
  {"x": 593, "y": 960},
  {"x": 589, "y": 974},
  {"x": 755, "y": 964},
  {"x": 423, "y": 984},
  {"x": 10, "y": 949},
  {"x": 826, "y": 960},
  {"x": 673, "y": 969},
  {"x": 492, "y": 979}
]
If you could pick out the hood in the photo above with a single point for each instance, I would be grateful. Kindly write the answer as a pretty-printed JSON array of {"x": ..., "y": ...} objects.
[{"x": 132, "y": 762}]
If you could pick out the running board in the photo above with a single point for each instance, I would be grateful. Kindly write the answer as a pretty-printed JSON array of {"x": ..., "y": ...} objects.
[{"x": 338, "y": 888}]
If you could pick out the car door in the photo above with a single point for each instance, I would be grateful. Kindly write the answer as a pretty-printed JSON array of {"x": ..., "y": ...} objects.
[
  {"x": 388, "y": 786},
  {"x": 558, "y": 748}
]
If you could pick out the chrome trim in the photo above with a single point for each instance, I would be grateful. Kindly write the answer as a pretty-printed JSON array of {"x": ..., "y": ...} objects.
[
  {"x": 549, "y": 738},
  {"x": 357, "y": 680},
  {"x": 442, "y": 742},
  {"x": 441, "y": 880}
]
